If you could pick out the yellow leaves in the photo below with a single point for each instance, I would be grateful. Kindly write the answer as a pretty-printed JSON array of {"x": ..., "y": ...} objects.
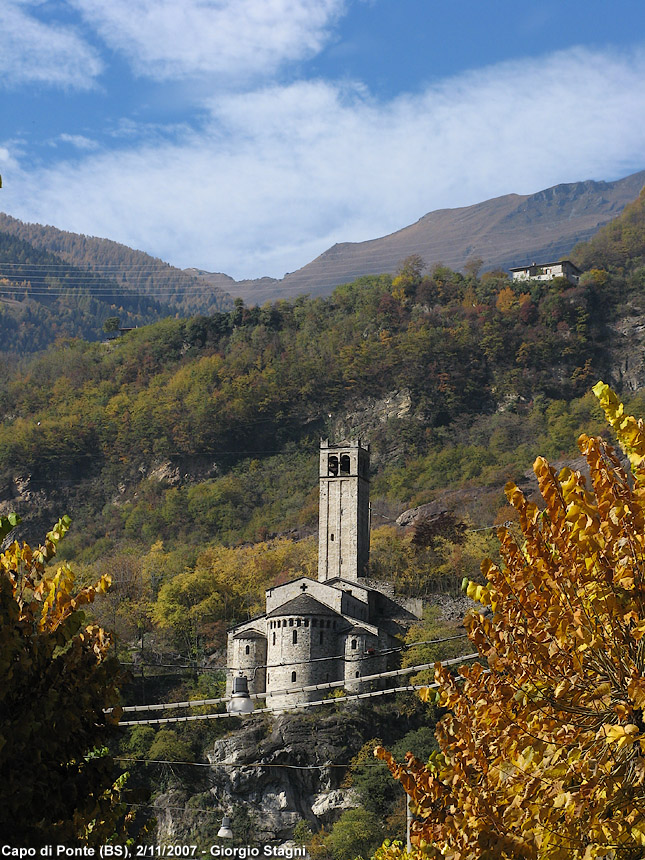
[
  {"x": 602, "y": 690},
  {"x": 562, "y": 688},
  {"x": 620, "y": 735},
  {"x": 638, "y": 834},
  {"x": 103, "y": 584},
  {"x": 429, "y": 695},
  {"x": 548, "y": 743},
  {"x": 54, "y": 672},
  {"x": 480, "y": 593},
  {"x": 629, "y": 431},
  {"x": 636, "y": 690}
]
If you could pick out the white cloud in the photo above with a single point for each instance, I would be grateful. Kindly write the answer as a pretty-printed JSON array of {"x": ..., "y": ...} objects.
[
  {"x": 280, "y": 174},
  {"x": 79, "y": 141},
  {"x": 166, "y": 39},
  {"x": 32, "y": 51}
]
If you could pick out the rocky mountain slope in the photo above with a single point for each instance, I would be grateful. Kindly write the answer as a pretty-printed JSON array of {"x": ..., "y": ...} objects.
[{"x": 503, "y": 232}]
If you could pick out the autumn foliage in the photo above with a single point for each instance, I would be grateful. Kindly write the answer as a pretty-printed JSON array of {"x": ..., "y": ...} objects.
[
  {"x": 56, "y": 678},
  {"x": 542, "y": 749}
]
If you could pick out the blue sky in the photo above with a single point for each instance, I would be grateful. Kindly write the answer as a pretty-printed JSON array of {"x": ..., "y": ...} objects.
[{"x": 247, "y": 136}]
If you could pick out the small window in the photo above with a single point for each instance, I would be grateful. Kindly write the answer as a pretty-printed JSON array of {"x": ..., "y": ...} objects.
[
  {"x": 344, "y": 464},
  {"x": 247, "y": 650},
  {"x": 298, "y": 623},
  {"x": 321, "y": 637},
  {"x": 291, "y": 622},
  {"x": 331, "y": 537},
  {"x": 295, "y": 637},
  {"x": 268, "y": 677},
  {"x": 293, "y": 677},
  {"x": 358, "y": 674},
  {"x": 353, "y": 644},
  {"x": 306, "y": 622},
  {"x": 273, "y": 643},
  {"x": 332, "y": 465}
]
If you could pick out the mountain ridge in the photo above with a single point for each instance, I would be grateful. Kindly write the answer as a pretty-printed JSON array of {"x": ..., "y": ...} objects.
[{"x": 503, "y": 231}]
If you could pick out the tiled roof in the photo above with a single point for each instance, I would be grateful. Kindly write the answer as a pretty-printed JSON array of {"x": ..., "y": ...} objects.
[{"x": 303, "y": 604}]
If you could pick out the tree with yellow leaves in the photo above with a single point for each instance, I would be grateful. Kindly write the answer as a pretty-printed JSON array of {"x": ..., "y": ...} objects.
[
  {"x": 57, "y": 677},
  {"x": 542, "y": 751}
]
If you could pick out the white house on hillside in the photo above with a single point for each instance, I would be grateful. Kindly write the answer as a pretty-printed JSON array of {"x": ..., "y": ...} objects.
[{"x": 547, "y": 271}]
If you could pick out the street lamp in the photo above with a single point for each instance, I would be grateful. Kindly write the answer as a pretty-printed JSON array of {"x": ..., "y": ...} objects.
[
  {"x": 225, "y": 831},
  {"x": 240, "y": 702}
]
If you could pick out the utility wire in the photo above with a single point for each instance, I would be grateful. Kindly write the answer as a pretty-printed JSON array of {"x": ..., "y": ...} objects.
[
  {"x": 227, "y": 716},
  {"x": 356, "y": 659},
  {"x": 311, "y": 688},
  {"x": 237, "y": 764}
]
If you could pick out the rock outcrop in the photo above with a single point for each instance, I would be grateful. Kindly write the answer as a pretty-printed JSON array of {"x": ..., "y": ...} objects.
[{"x": 290, "y": 767}]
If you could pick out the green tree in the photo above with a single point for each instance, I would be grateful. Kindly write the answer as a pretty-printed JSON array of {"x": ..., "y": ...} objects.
[
  {"x": 111, "y": 324},
  {"x": 357, "y": 833}
]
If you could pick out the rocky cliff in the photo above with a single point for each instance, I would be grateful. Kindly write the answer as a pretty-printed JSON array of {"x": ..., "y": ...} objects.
[{"x": 277, "y": 771}]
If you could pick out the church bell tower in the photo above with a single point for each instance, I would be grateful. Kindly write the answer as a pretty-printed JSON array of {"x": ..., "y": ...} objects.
[{"x": 344, "y": 517}]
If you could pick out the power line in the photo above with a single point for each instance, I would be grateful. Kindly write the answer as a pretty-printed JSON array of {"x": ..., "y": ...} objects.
[
  {"x": 311, "y": 688},
  {"x": 383, "y": 652},
  {"x": 290, "y": 707},
  {"x": 249, "y": 764}
]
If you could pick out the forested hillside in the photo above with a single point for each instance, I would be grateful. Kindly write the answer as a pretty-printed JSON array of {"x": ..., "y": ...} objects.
[
  {"x": 43, "y": 298},
  {"x": 203, "y": 433},
  {"x": 186, "y": 454},
  {"x": 100, "y": 269}
]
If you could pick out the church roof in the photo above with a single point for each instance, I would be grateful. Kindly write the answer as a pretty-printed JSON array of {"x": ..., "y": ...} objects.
[
  {"x": 249, "y": 634},
  {"x": 303, "y": 604}
]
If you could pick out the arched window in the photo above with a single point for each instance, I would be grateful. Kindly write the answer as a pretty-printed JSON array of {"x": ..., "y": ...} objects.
[
  {"x": 273, "y": 643},
  {"x": 293, "y": 677},
  {"x": 332, "y": 465},
  {"x": 353, "y": 644},
  {"x": 344, "y": 464},
  {"x": 295, "y": 636},
  {"x": 247, "y": 650}
]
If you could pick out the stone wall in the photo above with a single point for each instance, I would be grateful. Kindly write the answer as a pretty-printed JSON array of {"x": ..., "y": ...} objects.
[
  {"x": 301, "y": 651},
  {"x": 343, "y": 517}
]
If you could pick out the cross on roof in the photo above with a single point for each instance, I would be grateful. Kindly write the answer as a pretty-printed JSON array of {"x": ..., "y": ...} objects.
[{"x": 304, "y": 587}]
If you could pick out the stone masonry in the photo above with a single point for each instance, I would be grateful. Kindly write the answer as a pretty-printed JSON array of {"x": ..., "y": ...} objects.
[{"x": 337, "y": 627}]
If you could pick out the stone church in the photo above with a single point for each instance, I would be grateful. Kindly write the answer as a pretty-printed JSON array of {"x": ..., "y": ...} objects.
[{"x": 341, "y": 627}]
